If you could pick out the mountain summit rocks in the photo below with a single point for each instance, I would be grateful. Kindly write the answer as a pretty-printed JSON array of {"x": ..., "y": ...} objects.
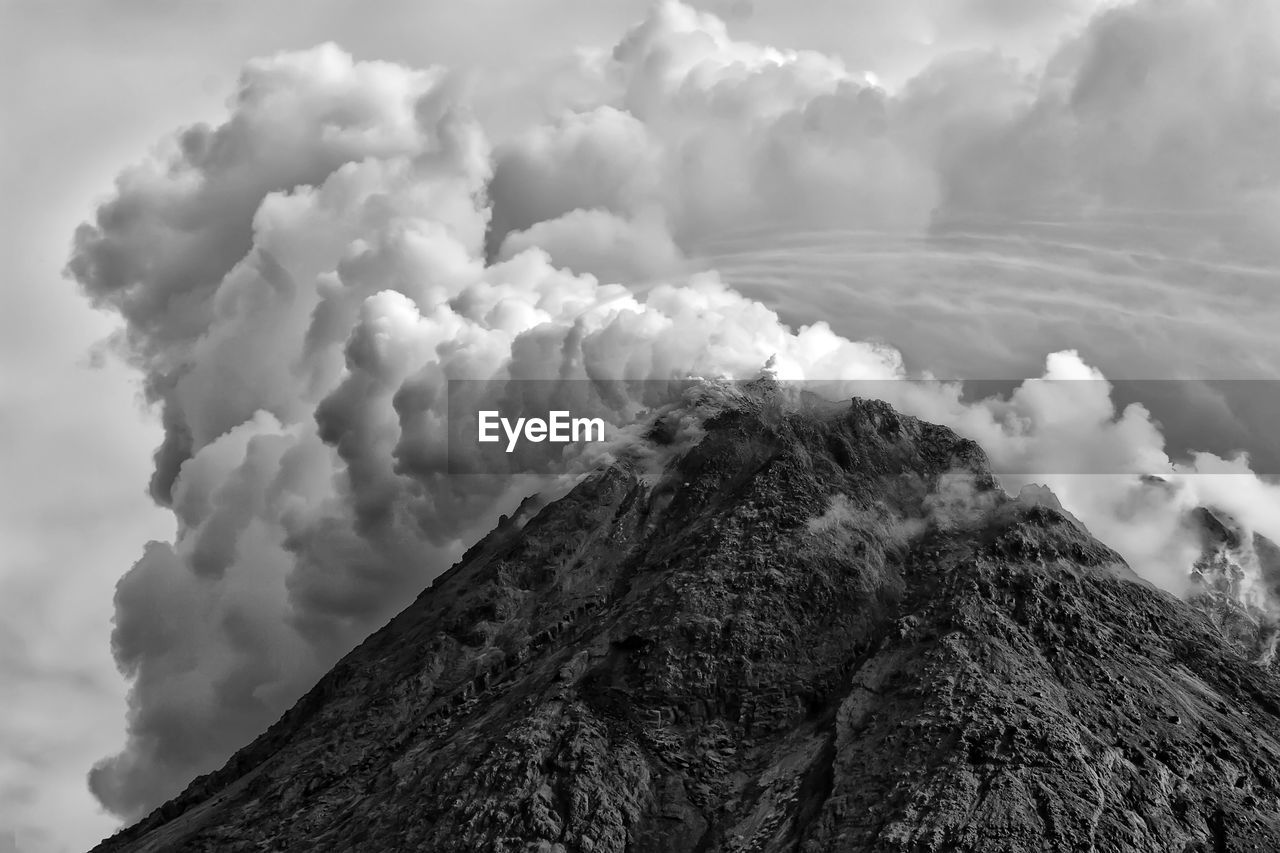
[{"x": 819, "y": 630}]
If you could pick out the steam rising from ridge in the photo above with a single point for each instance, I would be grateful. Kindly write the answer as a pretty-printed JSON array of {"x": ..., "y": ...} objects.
[{"x": 299, "y": 283}]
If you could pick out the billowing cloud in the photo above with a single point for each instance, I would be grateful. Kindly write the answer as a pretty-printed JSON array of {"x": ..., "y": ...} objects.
[
  {"x": 300, "y": 282},
  {"x": 1118, "y": 176},
  {"x": 694, "y": 133}
]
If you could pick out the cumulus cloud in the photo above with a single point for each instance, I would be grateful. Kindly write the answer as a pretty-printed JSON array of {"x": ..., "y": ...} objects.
[
  {"x": 241, "y": 257},
  {"x": 1119, "y": 175},
  {"x": 300, "y": 283},
  {"x": 691, "y": 134}
]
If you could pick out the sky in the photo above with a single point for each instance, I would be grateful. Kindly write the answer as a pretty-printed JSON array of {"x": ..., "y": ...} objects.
[{"x": 980, "y": 189}]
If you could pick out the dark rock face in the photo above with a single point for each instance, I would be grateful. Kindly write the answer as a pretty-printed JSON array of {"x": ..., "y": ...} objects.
[{"x": 817, "y": 632}]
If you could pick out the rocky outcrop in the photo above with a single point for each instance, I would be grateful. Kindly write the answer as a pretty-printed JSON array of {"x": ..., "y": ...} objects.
[
  {"x": 817, "y": 631},
  {"x": 1236, "y": 583}
]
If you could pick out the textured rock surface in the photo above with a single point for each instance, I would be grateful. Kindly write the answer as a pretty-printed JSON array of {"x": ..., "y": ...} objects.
[
  {"x": 814, "y": 633},
  {"x": 1236, "y": 583}
]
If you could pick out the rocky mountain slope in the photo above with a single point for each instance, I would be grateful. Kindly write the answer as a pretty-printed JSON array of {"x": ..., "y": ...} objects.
[
  {"x": 818, "y": 631},
  {"x": 1236, "y": 583}
]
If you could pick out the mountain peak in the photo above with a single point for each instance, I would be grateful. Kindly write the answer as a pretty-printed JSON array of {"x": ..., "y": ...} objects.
[{"x": 823, "y": 628}]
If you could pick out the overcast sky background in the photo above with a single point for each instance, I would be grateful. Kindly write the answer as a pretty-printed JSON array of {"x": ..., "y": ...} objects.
[{"x": 91, "y": 86}]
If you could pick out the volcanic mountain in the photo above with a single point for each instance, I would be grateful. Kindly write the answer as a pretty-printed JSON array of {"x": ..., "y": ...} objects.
[{"x": 821, "y": 629}]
